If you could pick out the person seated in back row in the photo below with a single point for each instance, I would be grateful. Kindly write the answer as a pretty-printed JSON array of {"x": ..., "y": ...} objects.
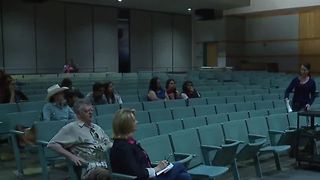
[
  {"x": 171, "y": 89},
  {"x": 128, "y": 157},
  {"x": 188, "y": 91},
  {"x": 84, "y": 143},
  {"x": 57, "y": 107},
  {"x": 111, "y": 95},
  {"x": 66, "y": 82},
  {"x": 156, "y": 92},
  {"x": 96, "y": 97}
]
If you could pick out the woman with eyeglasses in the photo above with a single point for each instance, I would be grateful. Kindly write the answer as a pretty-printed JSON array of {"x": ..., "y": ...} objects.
[
  {"x": 303, "y": 88},
  {"x": 171, "y": 89},
  {"x": 188, "y": 91},
  {"x": 128, "y": 157}
]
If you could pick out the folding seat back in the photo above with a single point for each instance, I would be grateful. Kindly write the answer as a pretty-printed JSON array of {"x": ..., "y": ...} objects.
[
  {"x": 204, "y": 110},
  {"x": 150, "y": 105},
  {"x": 160, "y": 115},
  {"x": 194, "y": 122},
  {"x": 170, "y": 126},
  {"x": 182, "y": 112}
]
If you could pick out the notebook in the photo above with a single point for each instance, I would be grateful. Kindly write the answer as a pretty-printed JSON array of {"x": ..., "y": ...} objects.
[{"x": 168, "y": 168}]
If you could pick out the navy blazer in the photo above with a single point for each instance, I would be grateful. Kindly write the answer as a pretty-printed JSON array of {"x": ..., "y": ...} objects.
[{"x": 129, "y": 158}]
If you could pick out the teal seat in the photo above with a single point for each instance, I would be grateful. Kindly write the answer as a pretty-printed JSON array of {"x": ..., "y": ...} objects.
[
  {"x": 258, "y": 113},
  {"x": 23, "y": 119},
  {"x": 237, "y": 131},
  {"x": 292, "y": 117},
  {"x": 279, "y": 130},
  {"x": 38, "y": 97},
  {"x": 244, "y": 92},
  {"x": 253, "y": 98},
  {"x": 225, "y": 154},
  {"x": 152, "y": 145},
  {"x": 194, "y": 122},
  {"x": 105, "y": 121},
  {"x": 260, "y": 91},
  {"x": 160, "y": 115},
  {"x": 106, "y": 109},
  {"x": 32, "y": 106},
  {"x": 133, "y": 105},
  {"x": 217, "y": 118},
  {"x": 210, "y": 94},
  {"x": 8, "y": 108},
  {"x": 204, "y": 110},
  {"x": 146, "y": 130},
  {"x": 225, "y": 108},
  {"x": 248, "y": 106},
  {"x": 263, "y": 105},
  {"x": 175, "y": 103},
  {"x": 142, "y": 117},
  {"x": 282, "y": 110},
  {"x": 277, "y": 90},
  {"x": 227, "y": 93},
  {"x": 238, "y": 115},
  {"x": 216, "y": 100},
  {"x": 197, "y": 101},
  {"x": 270, "y": 97},
  {"x": 130, "y": 98},
  {"x": 235, "y": 99},
  {"x": 166, "y": 127},
  {"x": 279, "y": 104},
  {"x": 182, "y": 112},
  {"x": 151, "y": 105},
  {"x": 258, "y": 129},
  {"x": 44, "y": 133},
  {"x": 196, "y": 167}
]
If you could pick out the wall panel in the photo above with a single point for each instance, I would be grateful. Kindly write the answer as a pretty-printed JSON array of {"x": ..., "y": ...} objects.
[{"x": 19, "y": 37}]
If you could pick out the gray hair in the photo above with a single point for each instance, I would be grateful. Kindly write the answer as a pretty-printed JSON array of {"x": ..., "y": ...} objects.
[{"x": 78, "y": 106}]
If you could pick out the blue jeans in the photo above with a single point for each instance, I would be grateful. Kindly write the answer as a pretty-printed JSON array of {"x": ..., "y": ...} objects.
[{"x": 178, "y": 172}]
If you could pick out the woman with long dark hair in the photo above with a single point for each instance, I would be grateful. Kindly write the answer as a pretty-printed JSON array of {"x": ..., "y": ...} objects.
[
  {"x": 156, "y": 92},
  {"x": 111, "y": 95},
  {"x": 304, "y": 89},
  {"x": 171, "y": 89}
]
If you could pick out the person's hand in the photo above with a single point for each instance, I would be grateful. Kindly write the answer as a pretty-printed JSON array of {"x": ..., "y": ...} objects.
[
  {"x": 308, "y": 107},
  {"x": 78, "y": 161},
  {"x": 161, "y": 165},
  {"x": 12, "y": 87}
]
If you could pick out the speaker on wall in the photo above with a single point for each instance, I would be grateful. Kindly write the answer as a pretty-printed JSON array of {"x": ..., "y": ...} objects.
[{"x": 208, "y": 14}]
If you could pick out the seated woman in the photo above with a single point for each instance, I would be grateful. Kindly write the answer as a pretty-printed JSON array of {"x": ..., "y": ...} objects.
[
  {"x": 128, "y": 157},
  {"x": 188, "y": 91},
  {"x": 155, "y": 90},
  {"x": 171, "y": 89},
  {"x": 111, "y": 95},
  {"x": 57, "y": 107},
  {"x": 9, "y": 91}
]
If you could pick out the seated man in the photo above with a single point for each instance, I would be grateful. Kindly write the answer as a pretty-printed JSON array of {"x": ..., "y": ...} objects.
[
  {"x": 96, "y": 97},
  {"x": 84, "y": 143}
]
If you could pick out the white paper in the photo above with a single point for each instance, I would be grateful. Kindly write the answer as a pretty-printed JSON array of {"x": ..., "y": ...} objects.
[
  {"x": 288, "y": 106},
  {"x": 170, "y": 166}
]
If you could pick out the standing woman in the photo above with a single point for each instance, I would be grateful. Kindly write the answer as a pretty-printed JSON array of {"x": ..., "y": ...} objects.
[
  {"x": 128, "y": 157},
  {"x": 304, "y": 89}
]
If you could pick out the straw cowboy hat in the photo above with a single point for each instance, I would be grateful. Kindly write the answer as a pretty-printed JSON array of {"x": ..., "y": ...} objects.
[{"x": 54, "y": 90}]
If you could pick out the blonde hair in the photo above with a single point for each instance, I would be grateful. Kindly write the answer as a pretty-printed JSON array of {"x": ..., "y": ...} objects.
[{"x": 123, "y": 123}]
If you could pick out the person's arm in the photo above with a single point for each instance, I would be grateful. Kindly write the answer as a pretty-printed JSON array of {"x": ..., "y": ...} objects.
[
  {"x": 78, "y": 161},
  {"x": 152, "y": 96},
  {"x": 71, "y": 114},
  {"x": 290, "y": 88},
  {"x": 184, "y": 96},
  {"x": 312, "y": 92},
  {"x": 125, "y": 157},
  {"x": 46, "y": 112},
  {"x": 12, "y": 93},
  {"x": 166, "y": 96}
]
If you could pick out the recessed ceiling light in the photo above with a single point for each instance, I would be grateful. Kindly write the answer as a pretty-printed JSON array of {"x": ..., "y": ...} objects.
[
  {"x": 189, "y": 9},
  {"x": 119, "y": 0}
]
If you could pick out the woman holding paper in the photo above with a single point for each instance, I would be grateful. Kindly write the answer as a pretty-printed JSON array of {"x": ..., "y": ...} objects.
[
  {"x": 304, "y": 89},
  {"x": 128, "y": 157}
]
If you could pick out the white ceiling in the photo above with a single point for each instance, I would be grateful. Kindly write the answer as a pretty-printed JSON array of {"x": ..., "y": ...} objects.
[{"x": 172, "y": 6}]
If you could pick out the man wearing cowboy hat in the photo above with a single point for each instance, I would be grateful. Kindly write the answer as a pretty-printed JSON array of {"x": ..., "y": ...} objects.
[{"x": 57, "y": 108}]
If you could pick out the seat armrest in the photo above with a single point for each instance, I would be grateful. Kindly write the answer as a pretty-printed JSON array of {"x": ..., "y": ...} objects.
[
  {"x": 260, "y": 143},
  {"x": 184, "y": 158},
  {"x": 210, "y": 148},
  {"x": 230, "y": 141},
  {"x": 256, "y": 137},
  {"x": 275, "y": 132},
  {"x": 231, "y": 144},
  {"x": 16, "y": 132}
]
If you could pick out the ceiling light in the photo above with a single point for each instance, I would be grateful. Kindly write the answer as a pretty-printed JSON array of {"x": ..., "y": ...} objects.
[
  {"x": 189, "y": 9},
  {"x": 119, "y": 0}
]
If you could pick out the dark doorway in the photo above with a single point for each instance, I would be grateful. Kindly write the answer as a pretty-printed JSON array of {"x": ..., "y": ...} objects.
[{"x": 124, "y": 41}]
